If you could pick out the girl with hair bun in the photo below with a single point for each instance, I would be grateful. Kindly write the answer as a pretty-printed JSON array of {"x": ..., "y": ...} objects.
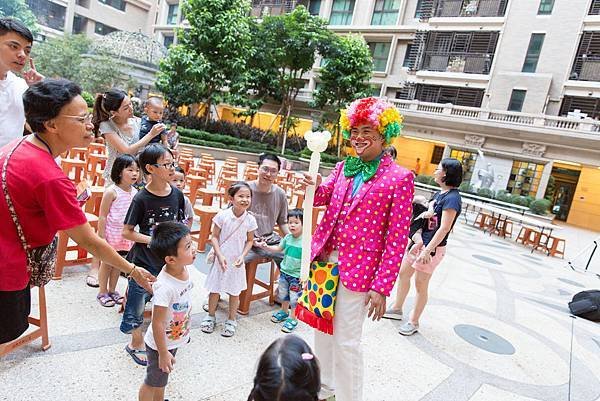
[{"x": 287, "y": 371}]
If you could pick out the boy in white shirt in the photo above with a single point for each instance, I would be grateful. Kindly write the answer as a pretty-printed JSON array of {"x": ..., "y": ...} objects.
[
  {"x": 172, "y": 307},
  {"x": 15, "y": 46}
]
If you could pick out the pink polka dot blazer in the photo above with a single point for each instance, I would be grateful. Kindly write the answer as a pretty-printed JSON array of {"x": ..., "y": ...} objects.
[{"x": 375, "y": 223}]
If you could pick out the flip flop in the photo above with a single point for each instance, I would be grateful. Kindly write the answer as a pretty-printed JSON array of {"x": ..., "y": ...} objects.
[
  {"x": 134, "y": 355},
  {"x": 92, "y": 281}
]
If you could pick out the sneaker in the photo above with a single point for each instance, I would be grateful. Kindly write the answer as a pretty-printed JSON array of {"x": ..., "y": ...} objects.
[
  {"x": 393, "y": 314},
  {"x": 408, "y": 329}
]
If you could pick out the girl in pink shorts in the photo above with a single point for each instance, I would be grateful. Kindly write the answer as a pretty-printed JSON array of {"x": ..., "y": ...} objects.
[{"x": 429, "y": 246}]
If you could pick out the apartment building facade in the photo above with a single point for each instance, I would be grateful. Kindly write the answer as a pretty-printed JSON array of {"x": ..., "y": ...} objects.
[
  {"x": 93, "y": 17},
  {"x": 507, "y": 86}
]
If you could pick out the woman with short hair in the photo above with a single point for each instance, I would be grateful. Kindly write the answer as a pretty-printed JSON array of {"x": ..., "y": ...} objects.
[
  {"x": 39, "y": 198},
  {"x": 429, "y": 244}
]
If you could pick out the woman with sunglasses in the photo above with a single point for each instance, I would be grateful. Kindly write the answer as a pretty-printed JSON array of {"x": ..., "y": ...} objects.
[{"x": 38, "y": 198}]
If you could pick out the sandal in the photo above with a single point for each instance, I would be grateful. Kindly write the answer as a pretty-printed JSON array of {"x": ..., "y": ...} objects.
[
  {"x": 279, "y": 316},
  {"x": 134, "y": 355},
  {"x": 105, "y": 300},
  {"x": 229, "y": 328},
  {"x": 208, "y": 324},
  {"x": 92, "y": 281},
  {"x": 289, "y": 325},
  {"x": 118, "y": 298}
]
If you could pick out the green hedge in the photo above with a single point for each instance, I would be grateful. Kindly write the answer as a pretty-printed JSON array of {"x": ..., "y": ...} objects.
[{"x": 203, "y": 138}]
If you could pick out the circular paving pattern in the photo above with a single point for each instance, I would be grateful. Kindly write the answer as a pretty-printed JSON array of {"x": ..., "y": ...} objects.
[
  {"x": 484, "y": 339},
  {"x": 532, "y": 257},
  {"x": 487, "y": 259}
]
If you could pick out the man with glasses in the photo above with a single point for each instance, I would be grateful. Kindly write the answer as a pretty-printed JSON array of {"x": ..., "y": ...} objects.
[
  {"x": 15, "y": 47},
  {"x": 269, "y": 206}
]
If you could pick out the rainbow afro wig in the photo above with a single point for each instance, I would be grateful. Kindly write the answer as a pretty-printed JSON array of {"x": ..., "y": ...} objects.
[{"x": 375, "y": 112}]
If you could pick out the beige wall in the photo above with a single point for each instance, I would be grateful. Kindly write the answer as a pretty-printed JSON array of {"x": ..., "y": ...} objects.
[
  {"x": 133, "y": 19},
  {"x": 562, "y": 29}
]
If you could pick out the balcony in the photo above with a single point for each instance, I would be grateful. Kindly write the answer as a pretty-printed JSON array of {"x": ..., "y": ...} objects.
[
  {"x": 586, "y": 68},
  {"x": 470, "y": 8},
  {"x": 565, "y": 125},
  {"x": 469, "y": 63}
]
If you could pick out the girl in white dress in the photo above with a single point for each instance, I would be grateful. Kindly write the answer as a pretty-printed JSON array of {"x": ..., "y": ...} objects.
[{"x": 232, "y": 238}]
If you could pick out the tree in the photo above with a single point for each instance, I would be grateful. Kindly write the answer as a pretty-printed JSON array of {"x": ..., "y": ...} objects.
[
  {"x": 61, "y": 57},
  {"x": 293, "y": 41},
  {"x": 68, "y": 57},
  {"x": 344, "y": 77},
  {"x": 181, "y": 76},
  {"x": 19, "y": 10},
  {"x": 218, "y": 43}
]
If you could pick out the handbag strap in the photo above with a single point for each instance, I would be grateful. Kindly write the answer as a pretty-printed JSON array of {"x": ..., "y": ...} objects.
[
  {"x": 234, "y": 231},
  {"x": 11, "y": 207}
]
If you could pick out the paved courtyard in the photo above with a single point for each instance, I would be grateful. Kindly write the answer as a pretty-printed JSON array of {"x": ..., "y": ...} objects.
[{"x": 497, "y": 328}]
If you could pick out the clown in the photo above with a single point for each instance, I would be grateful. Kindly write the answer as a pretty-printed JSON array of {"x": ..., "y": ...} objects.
[{"x": 362, "y": 235}]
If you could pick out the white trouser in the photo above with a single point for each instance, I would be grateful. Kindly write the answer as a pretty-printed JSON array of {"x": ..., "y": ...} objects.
[{"x": 340, "y": 355}]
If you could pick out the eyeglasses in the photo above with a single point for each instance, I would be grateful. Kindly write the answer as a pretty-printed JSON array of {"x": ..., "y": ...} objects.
[
  {"x": 267, "y": 170},
  {"x": 166, "y": 165},
  {"x": 82, "y": 119}
]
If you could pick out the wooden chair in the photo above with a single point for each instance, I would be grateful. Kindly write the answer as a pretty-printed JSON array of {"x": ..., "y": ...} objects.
[
  {"x": 92, "y": 205},
  {"x": 41, "y": 332},
  {"x": 94, "y": 161},
  {"x": 206, "y": 214},
  {"x": 62, "y": 259},
  {"x": 555, "y": 247},
  {"x": 207, "y": 195},
  {"x": 247, "y": 296},
  {"x": 195, "y": 182},
  {"x": 97, "y": 148},
  {"x": 78, "y": 153},
  {"x": 74, "y": 169},
  {"x": 318, "y": 211}
]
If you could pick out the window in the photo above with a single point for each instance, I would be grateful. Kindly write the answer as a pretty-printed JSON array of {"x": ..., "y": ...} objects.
[
  {"x": 385, "y": 12},
  {"x": 79, "y": 24},
  {"x": 168, "y": 40},
  {"x": 533, "y": 52},
  {"x": 102, "y": 29},
  {"x": 341, "y": 12},
  {"x": 48, "y": 14},
  {"x": 516, "y": 100},
  {"x": 314, "y": 7},
  {"x": 470, "y": 97},
  {"x": 545, "y": 7},
  {"x": 172, "y": 14},
  {"x": 467, "y": 159},
  {"x": 379, "y": 52},
  {"x": 407, "y": 62},
  {"x": 437, "y": 154},
  {"x": 118, "y": 4},
  {"x": 375, "y": 90},
  {"x": 524, "y": 178}
]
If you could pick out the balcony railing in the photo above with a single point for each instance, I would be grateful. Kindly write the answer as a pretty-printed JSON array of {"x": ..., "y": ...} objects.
[
  {"x": 469, "y": 63},
  {"x": 586, "y": 68},
  {"x": 470, "y": 8},
  {"x": 478, "y": 114}
]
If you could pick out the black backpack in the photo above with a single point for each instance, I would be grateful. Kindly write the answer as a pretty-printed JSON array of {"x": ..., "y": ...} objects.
[{"x": 586, "y": 304}]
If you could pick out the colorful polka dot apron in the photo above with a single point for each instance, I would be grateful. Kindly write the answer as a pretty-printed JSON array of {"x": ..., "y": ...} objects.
[{"x": 317, "y": 303}]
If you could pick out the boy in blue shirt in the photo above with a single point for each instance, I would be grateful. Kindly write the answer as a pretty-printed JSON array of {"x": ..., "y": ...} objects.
[{"x": 289, "y": 279}]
